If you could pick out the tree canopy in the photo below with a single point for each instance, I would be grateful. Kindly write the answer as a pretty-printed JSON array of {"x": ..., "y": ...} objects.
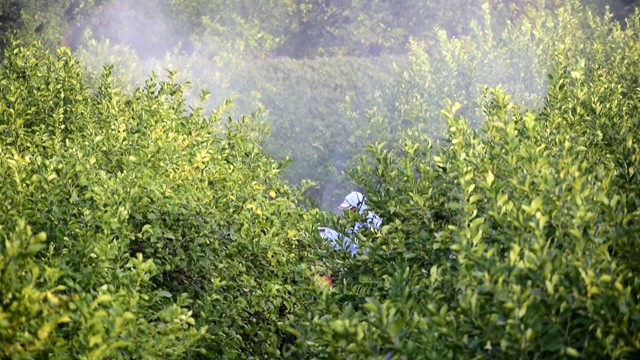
[{"x": 142, "y": 217}]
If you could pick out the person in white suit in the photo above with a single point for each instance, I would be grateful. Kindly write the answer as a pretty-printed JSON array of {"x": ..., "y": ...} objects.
[{"x": 354, "y": 201}]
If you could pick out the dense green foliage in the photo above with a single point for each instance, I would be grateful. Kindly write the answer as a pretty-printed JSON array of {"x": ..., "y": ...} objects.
[
  {"x": 516, "y": 240},
  {"x": 139, "y": 220},
  {"x": 42, "y": 20},
  {"x": 158, "y": 222}
]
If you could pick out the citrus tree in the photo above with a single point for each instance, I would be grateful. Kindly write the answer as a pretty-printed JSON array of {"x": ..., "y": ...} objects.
[
  {"x": 133, "y": 228},
  {"x": 515, "y": 239}
]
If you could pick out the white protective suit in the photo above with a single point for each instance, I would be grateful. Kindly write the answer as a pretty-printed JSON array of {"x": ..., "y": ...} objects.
[{"x": 354, "y": 200}]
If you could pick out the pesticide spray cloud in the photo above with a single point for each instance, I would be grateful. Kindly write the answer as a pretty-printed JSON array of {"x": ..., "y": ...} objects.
[{"x": 140, "y": 26}]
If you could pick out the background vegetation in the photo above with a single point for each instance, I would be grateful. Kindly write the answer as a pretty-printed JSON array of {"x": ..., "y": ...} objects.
[
  {"x": 331, "y": 60},
  {"x": 143, "y": 215}
]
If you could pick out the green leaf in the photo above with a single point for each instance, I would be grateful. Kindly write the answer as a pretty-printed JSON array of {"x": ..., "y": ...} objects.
[{"x": 490, "y": 178}]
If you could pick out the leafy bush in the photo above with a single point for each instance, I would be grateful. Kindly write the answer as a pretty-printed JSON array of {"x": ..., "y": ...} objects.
[
  {"x": 310, "y": 127},
  {"x": 161, "y": 237},
  {"x": 44, "y": 21},
  {"x": 514, "y": 240},
  {"x": 44, "y": 313}
]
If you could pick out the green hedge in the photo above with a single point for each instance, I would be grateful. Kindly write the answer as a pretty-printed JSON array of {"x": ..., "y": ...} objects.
[
  {"x": 162, "y": 240},
  {"x": 514, "y": 240}
]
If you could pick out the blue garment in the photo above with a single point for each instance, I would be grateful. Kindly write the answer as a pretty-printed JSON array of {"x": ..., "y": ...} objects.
[
  {"x": 349, "y": 243},
  {"x": 336, "y": 238},
  {"x": 354, "y": 200},
  {"x": 372, "y": 220}
]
